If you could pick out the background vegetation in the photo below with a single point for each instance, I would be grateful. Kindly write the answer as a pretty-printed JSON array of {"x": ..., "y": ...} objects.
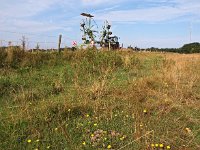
[
  {"x": 185, "y": 49},
  {"x": 91, "y": 99}
]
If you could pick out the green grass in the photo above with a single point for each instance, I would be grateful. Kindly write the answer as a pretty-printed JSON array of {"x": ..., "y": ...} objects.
[{"x": 96, "y": 100}]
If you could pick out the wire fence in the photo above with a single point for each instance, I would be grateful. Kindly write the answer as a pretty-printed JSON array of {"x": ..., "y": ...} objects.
[{"x": 32, "y": 41}]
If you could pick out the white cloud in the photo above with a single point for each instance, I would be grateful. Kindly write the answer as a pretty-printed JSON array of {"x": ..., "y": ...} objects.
[
  {"x": 99, "y": 3},
  {"x": 94, "y": 2},
  {"x": 24, "y": 8},
  {"x": 18, "y": 15},
  {"x": 154, "y": 14}
]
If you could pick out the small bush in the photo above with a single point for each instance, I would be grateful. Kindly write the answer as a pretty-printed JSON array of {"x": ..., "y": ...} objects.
[
  {"x": 14, "y": 57},
  {"x": 3, "y": 56}
]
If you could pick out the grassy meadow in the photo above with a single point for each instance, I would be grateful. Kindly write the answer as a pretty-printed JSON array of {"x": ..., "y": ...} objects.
[{"x": 98, "y": 100}]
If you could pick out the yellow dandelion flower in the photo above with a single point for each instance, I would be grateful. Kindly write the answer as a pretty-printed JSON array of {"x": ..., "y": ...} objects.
[
  {"x": 152, "y": 145},
  {"x": 161, "y": 145},
  {"x": 144, "y": 111},
  {"x": 156, "y": 145},
  {"x": 29, "y": 141},
  {"x": 95, "y": 124},
  {"x": 48, "y": 147},
  {"x": 122, "y": 138},
  {"x": 87, "y": 115},
  {"x": 84, "y": 143},
  {"x": 109, "y": 146},
  {"x": 168, "y": 147},
  {"x": 37, "y": 140},
  {"x": 92, "y": 135}
]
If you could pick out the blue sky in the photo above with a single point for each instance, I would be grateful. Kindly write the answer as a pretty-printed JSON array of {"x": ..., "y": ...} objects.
[{"x": 141, "y": 23}]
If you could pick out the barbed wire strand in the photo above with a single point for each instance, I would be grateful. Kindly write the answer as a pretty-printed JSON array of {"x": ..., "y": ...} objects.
[
  {"x": 23, "y": 33},
  {"x": 45, "y": 44}
]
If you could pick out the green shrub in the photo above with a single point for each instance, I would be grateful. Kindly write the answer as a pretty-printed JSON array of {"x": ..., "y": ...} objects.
[
  {"x": 3, "y": 56},
  {"x": 15, "y": 56}
]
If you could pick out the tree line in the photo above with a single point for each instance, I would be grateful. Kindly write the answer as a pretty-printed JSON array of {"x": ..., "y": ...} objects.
[{"x": 185, "y": 49}]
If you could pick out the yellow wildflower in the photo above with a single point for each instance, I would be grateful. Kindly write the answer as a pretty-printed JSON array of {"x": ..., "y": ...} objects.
[
  {"x": 29, "y": 141},
  {"x": 69, "y": 110},
  {"x": 122, "y": 138},
  {"x": 188, "y": 130},
  {"x": 156, "y": 145},
  {"x": 161, "y": 145},
  {"x": 87, "y": 115},
  {"x": 152, "y": 145},
  {"x": 84, "y": 143},
  {"x": 37, "y": 140},
  {"x": 95, "y": 124},
  {"x": 168, "y": 147},
  {"x": 145, "y": 111},
  {"x": 48, "y": 147},
  {"x": 92, "y": 135},
  {"x": 109, "y": 146},
  {"x": 56, "y": 129}
]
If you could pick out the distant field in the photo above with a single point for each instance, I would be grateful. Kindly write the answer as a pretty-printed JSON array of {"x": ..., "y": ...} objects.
[{"x": 92, "y": 100}]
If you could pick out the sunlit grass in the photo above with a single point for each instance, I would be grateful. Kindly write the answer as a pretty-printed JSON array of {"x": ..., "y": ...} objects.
[{"x": 100, "y": 100}]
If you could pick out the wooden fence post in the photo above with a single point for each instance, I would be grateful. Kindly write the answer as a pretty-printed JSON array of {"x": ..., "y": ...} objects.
[
  {"x": 109, "y": 46},
  {"x": 59, "y": 43},
  {"x": 1, "y": 43}
]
